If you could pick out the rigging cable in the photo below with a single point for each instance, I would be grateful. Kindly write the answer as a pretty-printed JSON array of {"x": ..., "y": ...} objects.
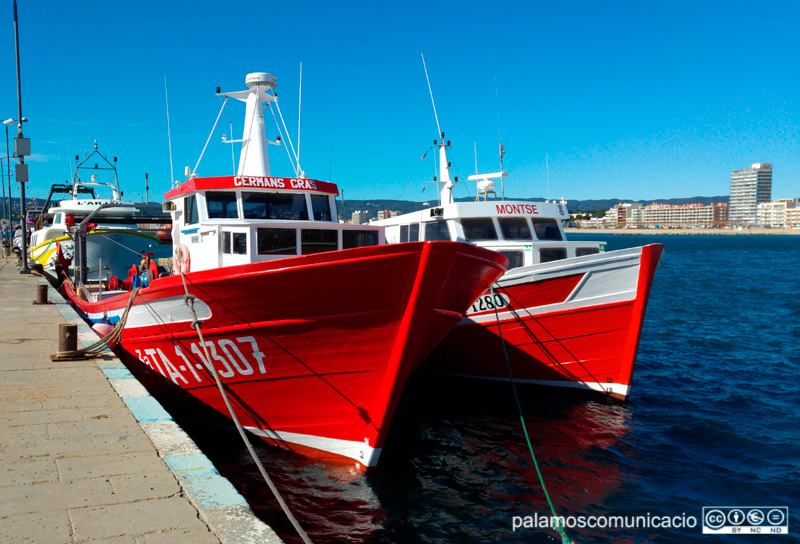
[
  {"x": 558, "y": 526},
  {"x": 189, "y": 300}
]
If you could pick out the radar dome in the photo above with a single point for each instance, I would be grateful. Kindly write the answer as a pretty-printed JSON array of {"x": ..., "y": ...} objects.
[{"x": 261, "y": 79}]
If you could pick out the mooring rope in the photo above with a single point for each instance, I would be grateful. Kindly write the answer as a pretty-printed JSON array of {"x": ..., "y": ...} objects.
[
  {"x": 189, "y": 300},
  {"x": 558, "y": 526},
  {"x": 108, "y": 340}
]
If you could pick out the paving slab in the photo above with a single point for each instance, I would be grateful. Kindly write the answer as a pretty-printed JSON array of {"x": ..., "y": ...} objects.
[{"x": 86, "y": 454}]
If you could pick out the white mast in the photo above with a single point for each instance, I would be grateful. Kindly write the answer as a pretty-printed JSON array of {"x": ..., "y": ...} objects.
[
  {"x": 254, "y": 158},
  {"x": 446, "y": 194}
]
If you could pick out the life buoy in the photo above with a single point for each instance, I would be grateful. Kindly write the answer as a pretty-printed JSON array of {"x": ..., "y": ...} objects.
[{"x": 181, "y": 261}]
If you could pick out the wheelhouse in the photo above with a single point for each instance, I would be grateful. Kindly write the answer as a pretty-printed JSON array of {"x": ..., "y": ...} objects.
[
  {"x": 526, "y": 232},
  {"x": 232, "y": 220}
]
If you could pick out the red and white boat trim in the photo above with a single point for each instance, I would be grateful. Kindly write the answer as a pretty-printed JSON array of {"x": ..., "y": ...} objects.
[{"x": 312, "y": 325}]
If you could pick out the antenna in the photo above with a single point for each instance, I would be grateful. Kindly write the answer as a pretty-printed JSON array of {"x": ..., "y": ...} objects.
[
  {"x": 233, "y": 160},
  {"x": 169, "y": 134},
  {"x": 438, "y": 128},
  {"x": 499, "y": 137},
  {"x": 475, "y": 147},
  {"x": 299, "y": 105},
  {"x": 547, "y": 166}
]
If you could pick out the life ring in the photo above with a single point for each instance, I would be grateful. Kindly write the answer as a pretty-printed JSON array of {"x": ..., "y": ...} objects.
[{"x": 181, "y": 262}]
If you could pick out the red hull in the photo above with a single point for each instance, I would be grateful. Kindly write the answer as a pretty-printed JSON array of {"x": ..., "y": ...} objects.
[
  {"x": 577, "y": 328},
  {"x": 314, "y": 351}
]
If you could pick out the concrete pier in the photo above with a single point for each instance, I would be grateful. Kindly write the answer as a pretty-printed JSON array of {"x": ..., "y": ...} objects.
[{"x": 86, "y": 455}]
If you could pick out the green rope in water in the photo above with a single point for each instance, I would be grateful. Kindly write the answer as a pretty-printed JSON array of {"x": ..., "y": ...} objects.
[{"x": 558, "y": 526}]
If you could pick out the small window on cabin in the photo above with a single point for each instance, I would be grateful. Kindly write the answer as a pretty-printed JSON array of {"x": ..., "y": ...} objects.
[
  {"x": 413, "y": 232},
  {"x": 479, "y": 228},
  {"x": 552, "y": 254},
  {"x": 286, "y": 207},
  {"x": 515, "y": 259},
  {"x": 546, "y": 229},
  {"x": 582, "y": 251},
  {"x": 221, "y": 205},
  {"x": 321, "y": 208},
  {"x": 240, "y": 243},
  {"x": 515, "y": 228},
  {"x": 277, "y": 242},
  {"x": 318, "y": 241},
  {"x": 437, "y": 230},
  {"x": 190, "y": 208},
  {"x": 359, "y": 238},
  {"x": 226, "y": 242},
  {"x": 404, "y": 233}
]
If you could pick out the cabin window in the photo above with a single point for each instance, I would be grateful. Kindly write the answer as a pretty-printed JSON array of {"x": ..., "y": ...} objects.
[
  {"x": 240, "y": 243},
  {"x": 190, "y": 207},
  {"x": 277, "y": 242},
  {"x": 287, "y": 207},
  {"x": 413, "y": 232},
  {"x": 226, "y": 242},
  {"x": 359, "y": 238},
  {"x": 480, "y": 228},
  {"x": 546, "y": 229},
  {"x": 404, "y": 233},
  {"x": 221, "y": 205},
  {"x": 318, "y": 240},
  {"x": 552, "y": 254},
  {"x": 581, "y": 251},
  {"x": 437, "y": 230},
  {"x": 515, "y": 259},
  {"x": 321, "y": 208},
  {"x": 515, "y": 228}
]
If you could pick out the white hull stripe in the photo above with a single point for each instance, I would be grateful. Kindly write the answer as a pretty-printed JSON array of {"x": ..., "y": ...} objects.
[
  {"x": 605, "y": 281},
  {"x": 616, "y": 388},
  {"x": 358, "y": 451},
  {"x": 159, "y": 312}
]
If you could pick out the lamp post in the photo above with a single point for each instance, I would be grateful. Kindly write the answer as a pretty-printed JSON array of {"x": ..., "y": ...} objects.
[{"x": 22, "y": 147}]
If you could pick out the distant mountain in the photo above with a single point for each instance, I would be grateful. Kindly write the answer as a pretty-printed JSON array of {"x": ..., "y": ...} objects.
[{"x": 372, "y": 207}]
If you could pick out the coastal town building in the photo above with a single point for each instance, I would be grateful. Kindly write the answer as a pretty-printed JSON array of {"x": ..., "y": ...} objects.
[
  {"x": 778, "y": 213},
  {"x": 359, "y": 217},
  {"x": 749, "y": 187},
  {"x": 386, "y": 214},
  {"x": 633, "y": 215}
]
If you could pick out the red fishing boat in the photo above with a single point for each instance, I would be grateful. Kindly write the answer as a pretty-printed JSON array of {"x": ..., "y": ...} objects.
[
  {"x": 313, "y": 325},
  {"x": 569, "y": 313}
]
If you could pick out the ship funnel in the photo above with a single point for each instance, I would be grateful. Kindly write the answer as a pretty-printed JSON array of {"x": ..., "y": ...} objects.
[{"x": 261, "y": 79}]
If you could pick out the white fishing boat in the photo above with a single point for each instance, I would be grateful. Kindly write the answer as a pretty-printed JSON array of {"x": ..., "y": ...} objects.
[
  {"x": 570, "y": 315},
  {"x": 115, "y": 238}
]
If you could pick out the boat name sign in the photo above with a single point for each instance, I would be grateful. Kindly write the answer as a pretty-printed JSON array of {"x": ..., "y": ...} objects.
[
  {"x": 516, "y": 209},
  {"x": 227, "y": 355},
  {"x": 275, "y": 183}
]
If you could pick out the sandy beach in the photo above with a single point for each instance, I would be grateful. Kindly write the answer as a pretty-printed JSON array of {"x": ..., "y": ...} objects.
[{"x": 704, "y": 232}]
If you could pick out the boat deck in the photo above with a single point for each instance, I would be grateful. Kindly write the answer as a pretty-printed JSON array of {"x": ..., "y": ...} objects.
[{"x": 86, "y": 454}]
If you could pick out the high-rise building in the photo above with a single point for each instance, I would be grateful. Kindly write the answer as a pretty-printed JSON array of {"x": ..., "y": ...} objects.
[
  {"x": 749, "y": 187},
  {"x": 359, "y": 217}
]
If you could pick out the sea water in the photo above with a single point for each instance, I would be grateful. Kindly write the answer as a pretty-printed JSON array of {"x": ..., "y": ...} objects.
[{"x": 713, "y": 420}]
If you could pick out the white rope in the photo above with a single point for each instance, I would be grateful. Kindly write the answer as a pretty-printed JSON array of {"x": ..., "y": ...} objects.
[
  {"x": 189, "y": 299},
  {"x": 288, "y": 154},
  {"x": 296, "y": 158},
  {"x": 209, "y": 136}
]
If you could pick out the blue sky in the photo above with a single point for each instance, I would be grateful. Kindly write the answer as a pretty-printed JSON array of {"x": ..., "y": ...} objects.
[{"x": 642, "y": 100}]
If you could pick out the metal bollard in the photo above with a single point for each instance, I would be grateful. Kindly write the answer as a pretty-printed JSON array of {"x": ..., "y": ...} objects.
[
  {"x": 41, "y": 295},
  {"x": 67, "y": 338}
]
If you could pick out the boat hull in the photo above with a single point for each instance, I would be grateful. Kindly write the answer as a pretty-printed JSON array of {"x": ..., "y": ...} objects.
[
  {"x": 115, "y": 249},
  {"x": 573, "y": 323},
  {"x": 313, "y": 351}
]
